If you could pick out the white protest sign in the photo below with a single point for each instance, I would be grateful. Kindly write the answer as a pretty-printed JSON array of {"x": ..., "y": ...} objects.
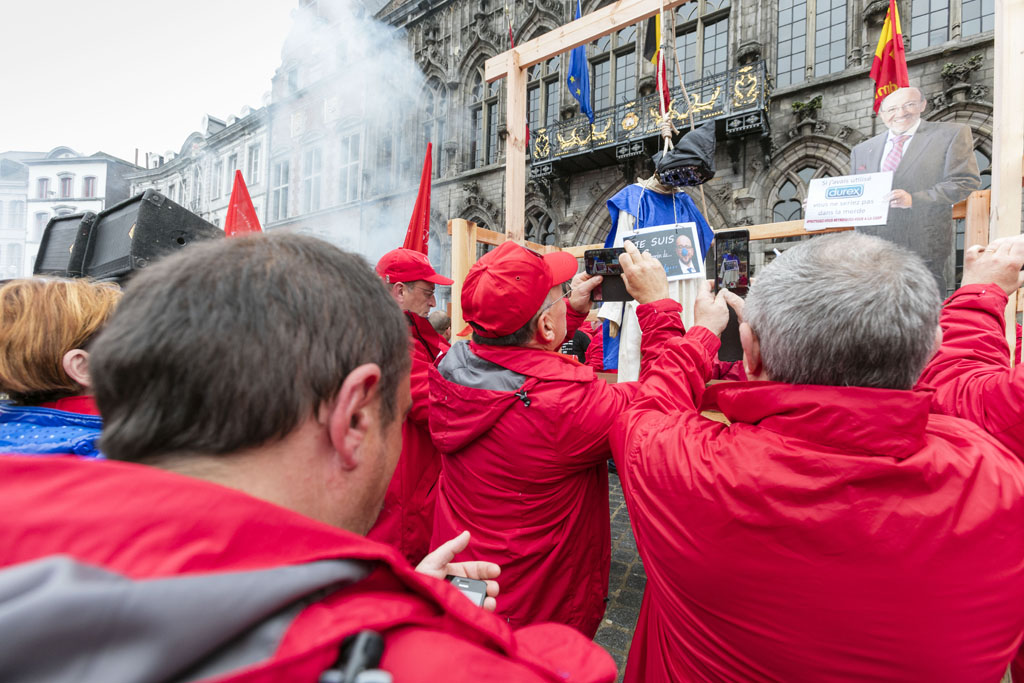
[
  {"x": 848, "y": 200},
  {"x": 675, "y": 246}
]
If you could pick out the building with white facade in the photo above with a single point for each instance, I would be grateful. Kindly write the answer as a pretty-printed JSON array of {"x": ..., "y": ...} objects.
[
  {"x": 13, "y": 198},
  {"x": 200, "y": 177},
  {"x": 63, "y": 182}
]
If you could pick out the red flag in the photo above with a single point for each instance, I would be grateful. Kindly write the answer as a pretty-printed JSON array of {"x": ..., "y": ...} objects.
[
  {"x": 241, "y": 216},
  {"x": 419, "y": 226},
  {"x": 653, "y": 53},
  {"x": 889, "y": 67}
]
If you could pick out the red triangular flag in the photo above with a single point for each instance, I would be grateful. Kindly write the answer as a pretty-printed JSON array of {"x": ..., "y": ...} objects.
[
  {"x": 419, "y": 226},
  {"x": 241, "y": 216}
]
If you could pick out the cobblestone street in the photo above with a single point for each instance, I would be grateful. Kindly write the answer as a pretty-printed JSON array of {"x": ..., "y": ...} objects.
[{"x": 626, "y": 582}]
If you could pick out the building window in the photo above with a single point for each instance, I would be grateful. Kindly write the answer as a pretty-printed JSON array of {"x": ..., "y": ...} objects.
[
  {"x": 702, "y": 38},
  {"x": 253, "y": 174},
  {"x": 171, "y": 191},
  {"x": 312, "y": 164},
  {"x": 539, "y": 228},
  {"x": 796, "y": 49},
  {"x": 348, "y": 172},
  {"x": 985, "y": 168},
  {"x": 67, "y": 187},
  {"x": 231, "y": 168},
  {"x": 483, "y": 145},
  {"x": 2, "y": 217},
  {"x": 13, "y": 261},
  {"x": 89, "y": 187},
  {"x": 793, "y": 190},
  {"x": 978, "y": 16},
  {"x": 929, "y": 23},
  {"x": 613, "y": 79},
  {"x": 434, "y": 119},
  {"x": 43, "y": 188},
  {"x": 279, "y": 191},
  {"x": 542, "y": 92},
  {"x": 16, "y": 214},
  {"x": 218, "y": 171},
  {"x": 42, "y": 218}
]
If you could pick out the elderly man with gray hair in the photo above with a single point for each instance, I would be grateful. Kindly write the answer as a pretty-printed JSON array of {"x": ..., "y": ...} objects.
[{"x": 832, "y": 529}]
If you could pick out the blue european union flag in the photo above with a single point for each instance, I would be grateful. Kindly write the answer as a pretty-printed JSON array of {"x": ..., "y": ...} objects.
[{"x": 579, "y": 76}]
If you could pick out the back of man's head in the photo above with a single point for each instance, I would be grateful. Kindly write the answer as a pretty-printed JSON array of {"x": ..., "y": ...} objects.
[
  {"x": 231, "y": 344},
  {"x": 845, "y": 310}
]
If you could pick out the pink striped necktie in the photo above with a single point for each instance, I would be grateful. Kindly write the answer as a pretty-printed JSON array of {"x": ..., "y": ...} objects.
[{"x": 892, "y": 160}]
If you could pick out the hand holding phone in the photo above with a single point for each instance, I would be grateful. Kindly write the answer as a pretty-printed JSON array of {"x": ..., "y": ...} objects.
[
  {"x": 732, "y": 273},
  {"x": 473, "y": 589},
  {"x": 605, "y": 262}
]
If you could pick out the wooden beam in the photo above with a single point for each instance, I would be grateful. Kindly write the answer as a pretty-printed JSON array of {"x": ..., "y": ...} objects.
[
  {"x": 960, "y": 210},
  {"x": 579, "y": 32},
  {"x": 774, "y": 231},
  {"x": 493, "y": 238},
  {"x": 1008, "y": 135},
  {"x": 976, "y": 218},
  {"x": 463, "y": 256},
  {"x": 515, "y": 151}
]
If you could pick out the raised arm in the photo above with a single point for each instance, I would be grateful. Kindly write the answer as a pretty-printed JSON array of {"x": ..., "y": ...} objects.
[{"x": 971, "y": 372}]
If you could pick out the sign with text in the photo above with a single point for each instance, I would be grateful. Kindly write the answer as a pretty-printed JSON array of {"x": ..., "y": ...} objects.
[
  {"x": 849, "y": 200},
  {"x": 675, "y": 246}
]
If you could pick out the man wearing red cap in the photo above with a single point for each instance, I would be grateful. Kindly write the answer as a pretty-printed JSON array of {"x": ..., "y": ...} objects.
[
  {"x": 523, "y": 434},
  {"x": 407, "y": 516}
]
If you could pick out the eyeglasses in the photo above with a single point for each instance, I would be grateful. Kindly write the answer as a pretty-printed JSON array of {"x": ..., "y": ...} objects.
[
  {"x": 428, "y": 292},
  {"x": 567, "y": 288},
  {"x": 909, "y": 106}
]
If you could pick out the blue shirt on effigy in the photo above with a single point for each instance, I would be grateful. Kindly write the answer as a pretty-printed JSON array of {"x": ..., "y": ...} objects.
[{"x": 31, "y": 430}]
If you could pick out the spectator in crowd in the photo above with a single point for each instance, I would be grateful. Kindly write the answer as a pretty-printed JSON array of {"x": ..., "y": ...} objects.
[
  {"x": 46, "y": 326},
  {"x": 971, "y": 372},
  {"x": 835, "y": 529},
  {"x": 524, "y": 435},
  {"x": 442, "y": 324},
  {"x": 238, "y": 553},
  {"x": 408, "y": 513}
]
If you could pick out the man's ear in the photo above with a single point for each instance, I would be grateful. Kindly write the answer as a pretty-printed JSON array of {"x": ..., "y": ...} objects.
[
  {"x": 751, "y": 352},
  {"x": 397, "y": 290},
  {"x": 546, "y": 327},
  {"x": 937, "y": 342},
  {"x": 76, "y": 364},
  {"x": 353, "y": 413}
]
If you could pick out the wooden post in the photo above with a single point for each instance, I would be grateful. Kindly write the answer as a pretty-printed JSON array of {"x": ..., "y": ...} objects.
[
  {"x": 977, "y": 218},
  {"x": 515, "y": 152},
  {"x": 1008, "y": 135},
  {"x": 463, "y": 257}
]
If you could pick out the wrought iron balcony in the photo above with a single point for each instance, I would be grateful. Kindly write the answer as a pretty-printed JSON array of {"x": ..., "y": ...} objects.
[{"x": 740, "y": 96}]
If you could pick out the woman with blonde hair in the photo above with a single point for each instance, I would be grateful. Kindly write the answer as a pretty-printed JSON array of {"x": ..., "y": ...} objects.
[{"x": 45, "y": 329}]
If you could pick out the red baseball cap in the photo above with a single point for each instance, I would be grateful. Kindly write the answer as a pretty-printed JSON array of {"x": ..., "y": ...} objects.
[
  {"x": 408, "y": 265},
  {"x": 507, "y": 287}
]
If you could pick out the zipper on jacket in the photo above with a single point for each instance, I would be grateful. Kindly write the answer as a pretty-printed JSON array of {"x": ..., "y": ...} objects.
[{"x": 521, "y": 395}]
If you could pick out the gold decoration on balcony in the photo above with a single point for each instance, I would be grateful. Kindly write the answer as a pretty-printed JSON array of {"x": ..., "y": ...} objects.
[
  {"x": 744, "y": 89},
  {"x": 602, "y": 134},
  {"x": 630, "y": 121},
  {"x": 541, "y": 144}
]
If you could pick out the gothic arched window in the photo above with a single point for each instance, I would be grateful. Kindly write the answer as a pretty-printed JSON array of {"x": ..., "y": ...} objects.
[
  {"x": 539, "y": 228},
  {"x": 434, "y": 114},
  {"x": 792, "y": 190},
  {"x": 483, "y": 121},
  {"x": 543, "y": 89},
  {"x": 613, "y": 69}
]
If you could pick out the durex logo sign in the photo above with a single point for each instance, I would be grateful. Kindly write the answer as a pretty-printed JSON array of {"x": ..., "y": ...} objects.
[{"x": 844, "y": 192}]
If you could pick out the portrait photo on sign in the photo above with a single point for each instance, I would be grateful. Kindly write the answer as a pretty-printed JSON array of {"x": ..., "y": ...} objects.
[{"x": 675, "y": 246}]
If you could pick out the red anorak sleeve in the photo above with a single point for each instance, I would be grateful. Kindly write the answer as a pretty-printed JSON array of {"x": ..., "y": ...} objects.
[{"x": 971, "y": 372}]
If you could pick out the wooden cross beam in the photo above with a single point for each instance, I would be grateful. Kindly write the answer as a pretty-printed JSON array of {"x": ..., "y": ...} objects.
[{"x": 512, "y": 64}]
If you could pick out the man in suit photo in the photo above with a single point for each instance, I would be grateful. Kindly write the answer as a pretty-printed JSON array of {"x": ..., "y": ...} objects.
[
  {"x": 933, "y": 167},
  {"x": 683, "y": 264}
]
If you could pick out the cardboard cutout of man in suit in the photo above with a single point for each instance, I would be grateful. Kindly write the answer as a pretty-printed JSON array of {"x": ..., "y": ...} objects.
[{"x": 933, "y": 167}]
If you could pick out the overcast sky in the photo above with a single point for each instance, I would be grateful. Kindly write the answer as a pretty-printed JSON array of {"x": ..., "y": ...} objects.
[{"x": 116, "y": 75}]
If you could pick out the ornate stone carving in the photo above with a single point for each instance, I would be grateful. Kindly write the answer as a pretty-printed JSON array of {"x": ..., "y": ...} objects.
[
  {"x": 844, "y": 133},
  {"x": 874, "y": 12},
  {"x": 749, "y": 52}
]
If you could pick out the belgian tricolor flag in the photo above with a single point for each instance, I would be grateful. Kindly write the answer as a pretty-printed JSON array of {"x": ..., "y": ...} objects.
[
  {"x": 654, "y": 54},
  {"x": 889, "y": 67}
]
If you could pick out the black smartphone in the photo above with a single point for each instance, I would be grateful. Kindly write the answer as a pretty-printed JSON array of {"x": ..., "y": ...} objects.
[
  {"x": 473, "y": 589},
  {"x": 732, "y": 271},
  {"x": 605, "y": 262}
]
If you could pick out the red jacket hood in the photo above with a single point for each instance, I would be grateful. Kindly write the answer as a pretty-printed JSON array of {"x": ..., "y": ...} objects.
[{"x": 474, "y": 385}]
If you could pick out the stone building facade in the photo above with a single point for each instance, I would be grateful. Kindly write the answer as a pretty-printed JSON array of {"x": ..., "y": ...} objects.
[{"x": 791, "y": 78}]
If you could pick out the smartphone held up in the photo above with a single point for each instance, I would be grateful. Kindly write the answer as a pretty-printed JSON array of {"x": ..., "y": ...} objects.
[
  {"x": 605, "y": 262},
  {"x": 732, "y": 272}
]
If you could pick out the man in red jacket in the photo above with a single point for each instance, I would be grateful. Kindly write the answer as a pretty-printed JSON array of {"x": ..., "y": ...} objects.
[
  {"x": 835, "y": 530},
  {"x": 407, "y": 517},
  {"x": 265, "y": 378},
  {"x": 971, "y": 373},
  {"x": 524, "y": 435}
]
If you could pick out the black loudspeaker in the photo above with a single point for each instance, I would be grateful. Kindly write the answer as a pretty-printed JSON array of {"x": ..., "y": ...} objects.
[
  {"x": 64, "y": 245},
  {"x": 135, "y": 233}
]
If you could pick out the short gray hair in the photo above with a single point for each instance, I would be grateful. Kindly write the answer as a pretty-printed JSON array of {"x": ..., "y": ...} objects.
[{"x": 845, "y": 310}]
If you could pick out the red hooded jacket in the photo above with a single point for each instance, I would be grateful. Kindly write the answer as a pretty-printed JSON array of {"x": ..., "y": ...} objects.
[
  {"x": 826, "y": 534},
  {"x": 523, "y": 434},
  {"x": 971, "y": 372},
  {"x": 407, "y": 517},
  {"x": 146, "y": 524}
]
